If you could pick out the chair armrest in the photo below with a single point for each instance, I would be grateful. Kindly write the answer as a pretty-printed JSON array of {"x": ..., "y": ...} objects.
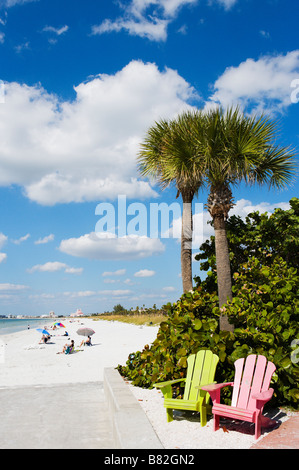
[
  {"x": 213, "y": 387},
  {"x": 200, "y": 387},
  {"x": 169, "y": 382},
  {"x": 263, "y": 396},
  {"x": 214, "y": 390},
  {"x": 166, "y": 387}
]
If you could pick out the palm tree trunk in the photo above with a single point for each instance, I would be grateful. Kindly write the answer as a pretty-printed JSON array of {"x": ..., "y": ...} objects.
[
  {"x": 186, "y": 241},
  {"x": 223, "y": 269}
]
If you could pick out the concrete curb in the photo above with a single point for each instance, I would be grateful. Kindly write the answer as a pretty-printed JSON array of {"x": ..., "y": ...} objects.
[{"x": 131, "y": 427}]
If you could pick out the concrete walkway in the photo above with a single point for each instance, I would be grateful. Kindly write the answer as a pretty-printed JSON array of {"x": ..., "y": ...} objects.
[
  {"x": 67, "y": 416},
  {"x": 91, "y": 415}
]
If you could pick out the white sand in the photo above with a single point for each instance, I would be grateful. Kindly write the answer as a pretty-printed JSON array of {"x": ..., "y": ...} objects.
[
  {"x": 24, "y": 362},
  {"x": 28, "y": 363},
  {"x": 185, "y": 431}
]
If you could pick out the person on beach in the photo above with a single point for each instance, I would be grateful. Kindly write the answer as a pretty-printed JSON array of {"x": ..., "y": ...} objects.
[
  {"x": 44, "y": 339},
  {"x": 86, "y": 343},
  {"x": 68, "y": 347}
]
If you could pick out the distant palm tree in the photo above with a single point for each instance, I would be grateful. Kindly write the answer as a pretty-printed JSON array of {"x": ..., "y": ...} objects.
[
  {"x": 168, "y": 154},
  {"x": 237, "y": 148}
]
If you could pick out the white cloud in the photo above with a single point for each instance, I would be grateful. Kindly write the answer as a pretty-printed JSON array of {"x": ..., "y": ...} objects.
[
  {"x": 227, "y": 4},
  {"x": 54, "y": 266},
  {"x": 89, "y": 145},
  {"x": 58, "y": 31},
  {"x": 69, "y": 270},
  {"x": 86, "y": 293},
  {"x": 3, "y": 239},
  {"x": 145, "y": 273},
  {"x": 22, "y": 47},
  {"x": 51, "y": 266},
  {"x": 169, "y": 289},
  {"x": 90, "y": 293},
  {"x": 119, "y": 272},
  {"x": 107, "y": 246},
  {"x": 12, "y": 3},
  {"x": 145, "y": 18},
  {"x": 21, "y": 239},
  {"x": 150, "y": 18},
  {"x": 55, "y": 188},
  {"x": 115, "y": 293},
  {"x": 12, "y": 287},
  {"x": 155, "y": 29},
  {"x": 42, "y": 296},
  {"x": 47, "y": 239},
  {"x": 263, "y": 84},
  {"x": 243, "y": 207},
  {"x": 265, "y": 34}
]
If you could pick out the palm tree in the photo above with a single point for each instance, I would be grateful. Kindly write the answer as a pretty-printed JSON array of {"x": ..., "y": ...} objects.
[
  {"x": 217, "y": 149},
  {"x": 168, "y": 154},
  {"x": 237, "y": 148}
]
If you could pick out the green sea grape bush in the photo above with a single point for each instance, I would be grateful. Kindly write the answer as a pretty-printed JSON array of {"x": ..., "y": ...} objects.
[
  {"x": 264, "y": 236},
  {"x": 265, "y": 312}
]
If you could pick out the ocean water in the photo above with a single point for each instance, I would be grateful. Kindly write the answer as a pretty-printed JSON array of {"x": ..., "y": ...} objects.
[{"x": 12, "y": 325}]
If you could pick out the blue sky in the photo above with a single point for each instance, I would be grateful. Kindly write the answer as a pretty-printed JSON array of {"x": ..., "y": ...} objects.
[{"x": 81, "y": 82}]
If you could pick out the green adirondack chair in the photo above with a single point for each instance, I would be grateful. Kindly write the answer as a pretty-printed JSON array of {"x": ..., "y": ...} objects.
[{"x": 200, "y": 371}]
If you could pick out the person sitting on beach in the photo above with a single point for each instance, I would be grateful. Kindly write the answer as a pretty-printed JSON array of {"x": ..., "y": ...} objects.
[
  {"x": 44, "y": 339},
  {"x": 68, "y": 348},
  {"x": 86, "y": 343},
  {"x": 65, "y": 333}
]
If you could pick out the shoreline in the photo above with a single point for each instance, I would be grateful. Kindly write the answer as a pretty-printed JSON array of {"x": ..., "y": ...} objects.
[{"x": 37, "y": 322}]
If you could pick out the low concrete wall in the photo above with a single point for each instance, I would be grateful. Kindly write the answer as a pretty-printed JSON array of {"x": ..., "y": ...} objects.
[{"x": 131, "y": 427}]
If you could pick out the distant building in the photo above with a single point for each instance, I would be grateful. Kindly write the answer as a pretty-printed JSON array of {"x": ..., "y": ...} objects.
[
  {"x": 52, "y": 315},
  {"x": 79, "y": 313}
]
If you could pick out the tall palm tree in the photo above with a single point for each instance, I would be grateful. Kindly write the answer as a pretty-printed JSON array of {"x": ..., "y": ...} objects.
[
  {"x": 168, "y": 154},
  {"x": 237, "y": 148},
  {"x": 218, "y": 149}
]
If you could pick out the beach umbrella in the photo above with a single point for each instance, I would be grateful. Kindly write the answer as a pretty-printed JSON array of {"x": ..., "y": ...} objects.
[
  {"x": 85, "y": 332},
  {"x": 44, "y": 332},
  {"x": 59, "y": 324}
]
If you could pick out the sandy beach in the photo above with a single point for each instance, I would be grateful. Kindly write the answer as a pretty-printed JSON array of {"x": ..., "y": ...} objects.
[{"x": 25, "y": 362}]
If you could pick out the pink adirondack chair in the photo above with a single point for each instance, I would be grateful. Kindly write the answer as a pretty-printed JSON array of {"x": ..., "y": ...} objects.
[{"x": 250, "y": 393}]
